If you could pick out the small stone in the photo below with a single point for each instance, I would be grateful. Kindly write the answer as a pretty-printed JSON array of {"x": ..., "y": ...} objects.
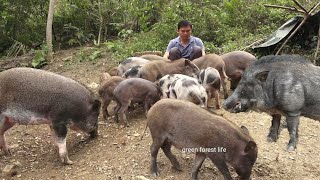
[
  {"x": 17, "y": 163},
  {"x": 13, "y": 146},
  {"x": 136, "y": 135},
  {"x": 140, "y": 178},
  {"x": 10, "y": 170},
  {"x": 292, "y": 158}
]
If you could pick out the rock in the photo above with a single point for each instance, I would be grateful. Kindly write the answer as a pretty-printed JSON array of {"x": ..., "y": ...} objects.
[
  {"x": 136, "y": 135},
  {"x": 10, "y": 170},
  {"x": 93, "y": 85},
  {"x": 140, "y": 178}
]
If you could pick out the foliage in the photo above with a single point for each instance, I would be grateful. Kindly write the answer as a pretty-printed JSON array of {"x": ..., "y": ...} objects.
[
  {"x": 129, "y": 26},
  {"x": 39, "y": 59}
]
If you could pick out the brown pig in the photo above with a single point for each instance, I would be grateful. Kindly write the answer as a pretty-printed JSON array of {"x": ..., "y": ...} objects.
[
  {"x": 236, "y": 62},
  {"x": 105, "y": 91},
  {"x": 215, "y": 61},
  {"x": 113, "y": 71},
  {"x": 173, "y": 122},
  {"x": 32, "y": 96},
  {"x": 104, "y": 76},
  {"x": 152, "y": 57},
  {"x": 134, "y": 90},
  {"x": 155, "y": 70}
]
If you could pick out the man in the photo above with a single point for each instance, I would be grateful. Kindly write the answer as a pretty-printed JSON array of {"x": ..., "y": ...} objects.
[{"x": 185, "y": 45}]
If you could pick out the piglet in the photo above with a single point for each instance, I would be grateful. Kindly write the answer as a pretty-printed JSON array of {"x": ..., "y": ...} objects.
[{"x": 134, "y": 90}]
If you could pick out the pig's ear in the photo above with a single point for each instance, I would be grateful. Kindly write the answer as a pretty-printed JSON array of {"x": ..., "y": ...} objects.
[
  {"x": 245, "y": 130},
  {"x": 187, "y": 62},
  {"x": 96, "y": 105},
  {"x": 250, "y": 146},
  {"x": 262, "y": 76}
]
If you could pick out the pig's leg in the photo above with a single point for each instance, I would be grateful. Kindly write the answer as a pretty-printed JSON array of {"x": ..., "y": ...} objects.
[
  {"x": 221, "y": 165},
  {"x": 217, "y": 99},
  {"x": 224, "y": 87},
  {"x": 122, "y": 112},
  {"x": 5, "y": 124},
  {"x": 200, "y": 157},
  {"x": 154, "y": 149},
  {"x": 59, "y": 136},
  {"x": 293, "y": 124},
  {"x": 116, "y": 110},
  {"x": 105, "y": 113},
  {"x": 274, "y": 129},
  {"x": 166, "y": 148}
]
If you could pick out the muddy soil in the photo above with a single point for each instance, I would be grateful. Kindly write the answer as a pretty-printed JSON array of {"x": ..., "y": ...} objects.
[{"x": 118, "y": 153}]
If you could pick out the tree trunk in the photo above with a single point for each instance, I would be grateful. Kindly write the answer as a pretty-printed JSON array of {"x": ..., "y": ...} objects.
[
  {"x": 100, "y": 23},
  {"x": 49, "y": 30}
]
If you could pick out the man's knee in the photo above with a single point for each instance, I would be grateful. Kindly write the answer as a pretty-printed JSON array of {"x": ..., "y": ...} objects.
[
  {"x": 175, "y": 54},
  {"x": 196, "y": 52}
]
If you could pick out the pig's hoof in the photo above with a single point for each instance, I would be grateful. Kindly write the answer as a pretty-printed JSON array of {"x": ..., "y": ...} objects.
[
  {"x": 271, "y": 138},
  {"x": 7, "y": 152},
  {"x": 177, "y": 167},
  {"x": 155, "y": 174},
  {"x": 68, "y": 162},
  {"x": 291, "y": 148},
  {"x": 218, "y": 107}
]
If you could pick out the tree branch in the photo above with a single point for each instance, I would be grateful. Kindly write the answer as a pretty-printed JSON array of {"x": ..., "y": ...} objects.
[
  {"x": 313, "y": 8},
  {"x": 301, "y": 7},
  {"x": 285, "y": 7}
]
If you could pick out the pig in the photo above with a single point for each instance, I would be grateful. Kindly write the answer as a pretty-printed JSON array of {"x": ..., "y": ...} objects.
[
  {"x": 166, "y": 81},
  {"x": 113, "y": 71},
  {"x": 104, "y": 76},
  {"x": 152, "y": 57},
  {"x": 105, "y": 91},
  {"x": 281, "y": 85},
  {"x": 132, "y": 72},
  {"x": 129, "y": 63},
  {"x": 134, "y": 90},
  {"x": 211, "y": 81},
  {"x": 189, "y": 89},
  {"x": 214, "y": 61},
  {"x": 155, "y": 70},
  {"x": 31, "y": 96},
  {"x": 173, "y": 122},
  {"x": 236, "y": 62}
]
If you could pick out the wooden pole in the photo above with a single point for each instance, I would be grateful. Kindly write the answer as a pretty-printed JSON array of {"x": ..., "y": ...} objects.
[{"x": 317, "y": 49}]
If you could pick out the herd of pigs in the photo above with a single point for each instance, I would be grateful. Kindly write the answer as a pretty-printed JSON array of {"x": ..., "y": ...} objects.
[{"x": 176, "y": 96}]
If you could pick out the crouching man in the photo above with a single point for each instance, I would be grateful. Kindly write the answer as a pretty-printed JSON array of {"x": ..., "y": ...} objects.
[{"x": 185, "y": 45}]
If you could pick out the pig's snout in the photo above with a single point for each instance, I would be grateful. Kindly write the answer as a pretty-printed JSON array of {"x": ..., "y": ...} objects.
[{"x": 229, "y": 104}]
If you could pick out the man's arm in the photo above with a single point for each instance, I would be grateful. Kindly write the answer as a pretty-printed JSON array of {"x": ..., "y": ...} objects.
[
  {"x": 166, "y": 55},
  {"x": 169, "y": 47}
]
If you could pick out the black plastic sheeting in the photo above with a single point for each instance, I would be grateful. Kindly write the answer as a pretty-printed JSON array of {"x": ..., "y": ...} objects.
[{"x": 287, "y": 28}]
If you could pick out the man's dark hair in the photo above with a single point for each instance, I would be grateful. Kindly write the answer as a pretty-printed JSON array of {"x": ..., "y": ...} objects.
[{"x": 184, "y": 23}]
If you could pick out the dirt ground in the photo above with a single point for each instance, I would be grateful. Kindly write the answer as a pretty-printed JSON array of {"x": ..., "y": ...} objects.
[{"x": 118, "y": 153}]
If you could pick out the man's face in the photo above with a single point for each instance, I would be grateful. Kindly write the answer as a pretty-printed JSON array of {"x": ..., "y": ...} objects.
[{"x": 184, "y": 32}]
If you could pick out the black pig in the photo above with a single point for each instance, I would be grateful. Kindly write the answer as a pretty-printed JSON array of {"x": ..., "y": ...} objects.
[{"x": 282, "y": 85}]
